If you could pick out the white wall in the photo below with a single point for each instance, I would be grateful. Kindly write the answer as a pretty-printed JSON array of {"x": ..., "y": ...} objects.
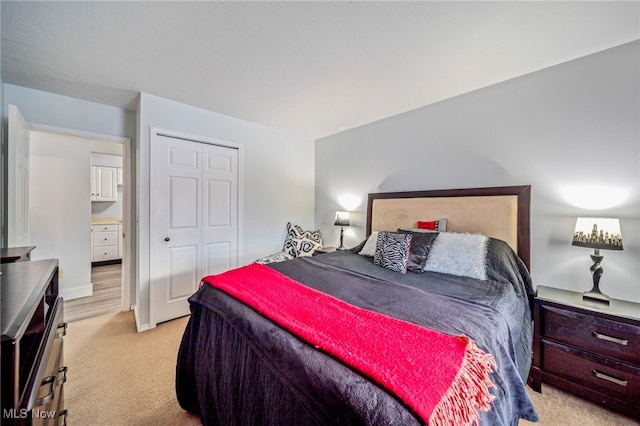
[
  {"x": 573, "y": 124},
  {"x": 60, "y": 206},
  {"x": 278, "y": 180}
]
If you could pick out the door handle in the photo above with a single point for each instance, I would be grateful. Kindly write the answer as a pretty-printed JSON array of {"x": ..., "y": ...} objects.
[
  {"x": 63, "y": 332},
  {"x": 167, "y": 239},
  {"x": 51, "y": 381}
]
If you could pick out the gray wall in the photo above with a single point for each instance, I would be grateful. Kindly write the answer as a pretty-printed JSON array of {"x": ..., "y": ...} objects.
[
  {"x": 277, "y": 183},
  {"x": 575, "y": 124},
  {"x": 59, "y": 205},
  {"x": 62, "y": 111},
  {"x": 48, "y": 109}
]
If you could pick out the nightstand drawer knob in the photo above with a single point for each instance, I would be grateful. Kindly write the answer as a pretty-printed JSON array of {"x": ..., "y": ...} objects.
[
  {"x": 609, "y": 378},
  {"x": 611, "y": 339}
]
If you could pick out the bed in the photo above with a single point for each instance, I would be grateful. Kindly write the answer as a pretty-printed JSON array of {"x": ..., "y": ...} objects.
[{"x": 237, "y": 366}]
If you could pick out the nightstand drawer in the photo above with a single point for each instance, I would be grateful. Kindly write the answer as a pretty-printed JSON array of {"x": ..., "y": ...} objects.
[
  {"x": 592, "y": 333},
  {"x": 613, "y": 378}
]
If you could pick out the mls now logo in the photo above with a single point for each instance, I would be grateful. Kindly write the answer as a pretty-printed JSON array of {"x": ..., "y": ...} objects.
[
  {"x": 13, "y": 413},
  {"x": 23, "y": 413}
]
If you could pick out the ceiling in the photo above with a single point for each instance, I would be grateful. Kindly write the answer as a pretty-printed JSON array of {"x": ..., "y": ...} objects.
[{"x": 310, "y": 68}]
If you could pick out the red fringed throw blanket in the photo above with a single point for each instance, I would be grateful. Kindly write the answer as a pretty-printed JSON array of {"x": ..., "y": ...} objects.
[{"x": 443, "y": 378}]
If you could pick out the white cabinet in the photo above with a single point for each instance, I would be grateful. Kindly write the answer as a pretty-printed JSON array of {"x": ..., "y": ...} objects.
[
  {"x": 105, "y": 242},
  {"x": 104, "y": 183}
]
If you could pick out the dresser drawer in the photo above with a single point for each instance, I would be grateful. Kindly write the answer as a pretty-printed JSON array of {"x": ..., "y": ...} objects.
[
  {"x": 104, "y": 253},
  {"x": 612, "y": 378},
  {"x": 592, "y": 333},
  {"x": 105, "y": 228},
  {"x": 105, "y": 239},
  {"x": 44, "y": 390}
]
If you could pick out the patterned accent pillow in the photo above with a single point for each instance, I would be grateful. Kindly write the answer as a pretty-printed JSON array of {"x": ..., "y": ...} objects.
[
  {"x": 420, "y": 247},
  {"x": 392, "y": 251},
  {"x": 435, "y": 225},
  {"x": 276, "y": 257},
  {"x": 299, "y": 242}
]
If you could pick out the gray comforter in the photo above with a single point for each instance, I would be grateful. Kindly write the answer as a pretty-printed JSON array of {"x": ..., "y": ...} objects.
[{"x": 236, "y": 367}]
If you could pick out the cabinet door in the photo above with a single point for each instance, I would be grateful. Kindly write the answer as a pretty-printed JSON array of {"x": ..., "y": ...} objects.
[
  {"x": 106, "y": 183},
  {"x": 94, "y": 184}
]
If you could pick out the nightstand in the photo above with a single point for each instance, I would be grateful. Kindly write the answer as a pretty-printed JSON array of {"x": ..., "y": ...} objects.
[
  {"x": 324, "y": 250},
  {"x": 587, "y": 349}
]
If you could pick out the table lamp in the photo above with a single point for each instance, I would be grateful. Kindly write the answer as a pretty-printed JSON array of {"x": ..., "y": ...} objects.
[
  {"x": 597, "y": 233},
  {"x": 342, "y": 220}
]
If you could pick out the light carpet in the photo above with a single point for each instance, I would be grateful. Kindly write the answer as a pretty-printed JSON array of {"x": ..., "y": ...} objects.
[{"x": 119, "y": 377}]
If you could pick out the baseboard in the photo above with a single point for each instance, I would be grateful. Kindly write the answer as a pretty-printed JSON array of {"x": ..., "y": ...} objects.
[
  {"x": 76, "y": 292},
  {"x": 140, "y": 327},
  {"x": 106, "y": 262}
]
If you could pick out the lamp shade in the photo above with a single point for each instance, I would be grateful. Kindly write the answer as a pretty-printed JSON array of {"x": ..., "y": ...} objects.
[
  {"x": 598, "y": 233},
  {"x": 342, "y": 219}
]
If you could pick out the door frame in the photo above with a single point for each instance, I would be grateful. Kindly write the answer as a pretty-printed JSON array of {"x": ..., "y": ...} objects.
[
  {"x": 130, "y": 250},
  {"x": 154, "y": 133},
  {"x": 16, "y": 212}
]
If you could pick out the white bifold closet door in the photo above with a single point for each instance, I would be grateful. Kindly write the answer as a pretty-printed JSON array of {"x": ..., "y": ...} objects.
[{"x": 195, "y": 205}]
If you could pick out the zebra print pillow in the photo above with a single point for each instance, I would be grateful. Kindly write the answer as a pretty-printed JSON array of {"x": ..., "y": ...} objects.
[{"x": 392, "y": 251}]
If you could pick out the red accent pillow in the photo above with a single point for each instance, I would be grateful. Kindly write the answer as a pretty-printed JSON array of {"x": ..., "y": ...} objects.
[{"x": 428, "y": 225}]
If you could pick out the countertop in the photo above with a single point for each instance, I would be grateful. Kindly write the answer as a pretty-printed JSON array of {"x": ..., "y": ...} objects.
[{"x": 105, "y": 220}]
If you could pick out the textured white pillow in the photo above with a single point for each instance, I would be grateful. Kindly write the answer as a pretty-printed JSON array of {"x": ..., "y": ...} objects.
[
  {"x": 369, "y": 248},
  {"x": 459, "y": 254}
]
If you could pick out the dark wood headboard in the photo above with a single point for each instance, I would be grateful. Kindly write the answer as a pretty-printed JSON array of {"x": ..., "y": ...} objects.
[{"x": 500, "y": 212}]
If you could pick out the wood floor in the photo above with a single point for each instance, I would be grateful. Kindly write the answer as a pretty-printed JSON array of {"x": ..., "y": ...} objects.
[{"x": 106, "y": 298}]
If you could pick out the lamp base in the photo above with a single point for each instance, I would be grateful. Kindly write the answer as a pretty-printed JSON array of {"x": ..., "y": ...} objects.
[
  {"x": 341, "y": 246},
  {"x": 595, "y": 295},
  {"x": 592, "y": 296}
]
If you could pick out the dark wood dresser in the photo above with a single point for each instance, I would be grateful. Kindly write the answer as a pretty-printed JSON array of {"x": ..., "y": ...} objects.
[
  {"x": 33, "y": 370},
  {"x": 16, "y": 254},
  {"x": 589, "y": 349}
]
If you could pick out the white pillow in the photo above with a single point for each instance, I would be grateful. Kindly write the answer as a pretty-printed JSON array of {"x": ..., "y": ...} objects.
[
  {"x": 369, "y": 248},
  {"x": 460, "y": 254}
]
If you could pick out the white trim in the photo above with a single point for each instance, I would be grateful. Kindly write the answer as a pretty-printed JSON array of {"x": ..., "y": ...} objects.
[
  {"x": 153, "y": 219},
  {"x": 129, "y": 250},
  {"x": 154, "y": 132},
  {"x": 46, "y": 128},
  {"x": 76, "y": 292},
  {"x": 140, "y": 327}
]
